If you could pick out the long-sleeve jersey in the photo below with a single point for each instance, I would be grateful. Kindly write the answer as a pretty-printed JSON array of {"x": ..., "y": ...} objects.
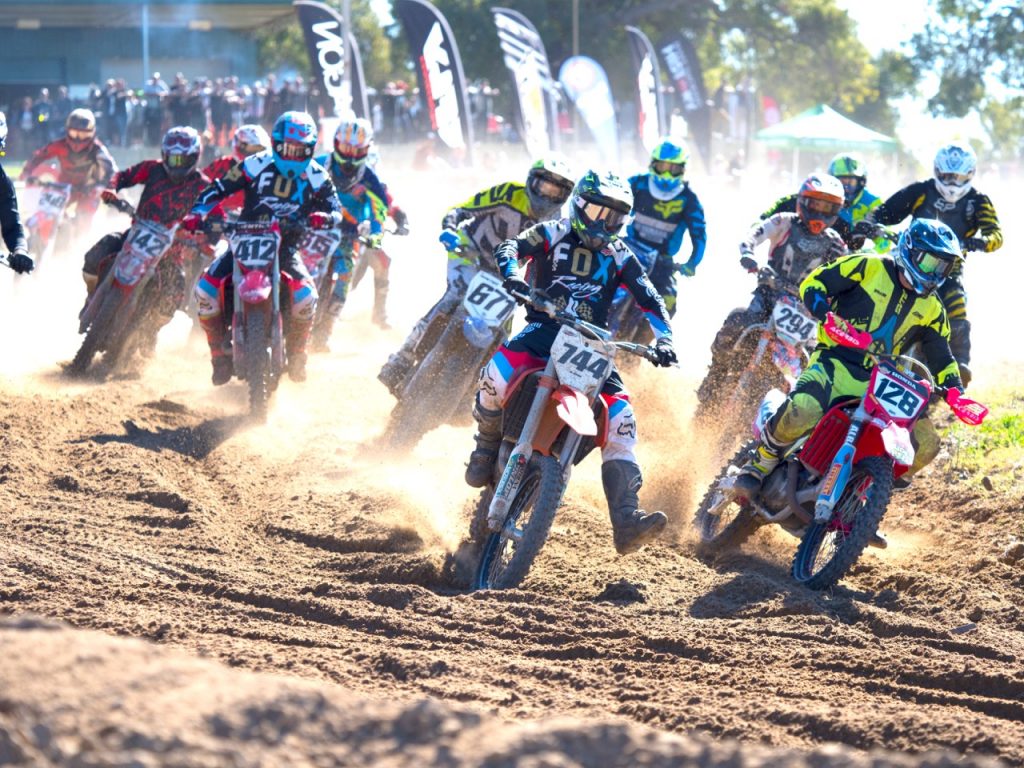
[
  {"x": 92, "y": 167},
  {"x": 842, "y": 225},
  {"x": 10, "y": 221},
  {"x": 661, "y": 224},
  {"x": 866, "y": 292},
  {"x": 793, "y": 250},
  {"x": 272, "y": 196},
  {"x": 973, "y": 215},
  {"x": 218, "y": 169},
  {"x": 164, "y": 199},
  {"x": 491, "y": 216},
  {"x": 580, "y": 281},
  {"x": 359, "y": 202}
]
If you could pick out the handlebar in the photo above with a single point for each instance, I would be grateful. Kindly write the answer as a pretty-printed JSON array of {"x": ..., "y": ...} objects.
[
  {"x": 541, "y": 303},
  {"x": 122, "y": 205}
]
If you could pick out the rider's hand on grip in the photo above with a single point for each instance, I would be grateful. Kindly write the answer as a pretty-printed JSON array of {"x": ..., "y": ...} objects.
[
  {"x": 21, "y": 262},
  {"x": 975, "y": 244},
  {"x": 686, "y": 270},
  {"x": 666, "y": 353},
  {"x": 109, "y": 196},
  {"x": 845, "y": 334},
  {"x": 865, "y": 228},
  {"x": 449, "y": 239},
  {"x": 967, "y": 410},
  {"x": 748, "y": 264},
  {"x": 321, "y": 220},
  {"x": 192, "y": 222},
  {"x": 517, "y": 287}
]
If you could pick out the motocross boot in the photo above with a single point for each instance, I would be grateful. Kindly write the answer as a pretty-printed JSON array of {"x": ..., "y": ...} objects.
[
  {"x": 295, "y": 345},
  {"x": 480, "y": 468},
  {"x": 631, "y": 527},
  {"x": 380, "y": 297},
  {"x": 223, "y": 369},
  {"x": 393, "y": 372},
  {"x": 752, "y": 474},
  {"x": 321, "y": 335}
]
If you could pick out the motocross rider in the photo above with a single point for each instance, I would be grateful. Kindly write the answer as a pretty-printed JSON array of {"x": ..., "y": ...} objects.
[
  {"x": 248, "y": 140},
  {"x": 894, "y": 300},
  {"x": 170, "y": 185},
  {"x": 10, "y": 220},
  {"x": 950, "y": 198},
  {"x": 798, "y": 242},
  {"x": 664, "y": 208},
  {"x": 470, "y": 232},
  {"x": 83, "y": 162},
  {"x": 350, "y": 168},
  {"x": 363, "y": 211},
  {"x": 285, "y": 185},
  {"x": 579, "y": 262}
]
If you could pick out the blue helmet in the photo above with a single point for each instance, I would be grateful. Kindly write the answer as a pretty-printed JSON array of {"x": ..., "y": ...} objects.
[
  {"x": 668, "y": 164},
  {"x": 926, "y": 254},
  {"x": 293, "y": 141},
  {"x": 600, "y": 204}
]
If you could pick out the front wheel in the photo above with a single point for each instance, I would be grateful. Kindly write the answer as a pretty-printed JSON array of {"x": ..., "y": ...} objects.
[
  {"x": 508, "y": 554},
  {"x": 257, "y": 363},
  {"x": 97, "y": 335},
  {"x": 828, "y": 550},
  {"x": 721, "y": 521}
]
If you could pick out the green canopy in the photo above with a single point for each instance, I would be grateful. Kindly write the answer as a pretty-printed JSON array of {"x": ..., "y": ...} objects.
[{"x": 822, "y": 128}]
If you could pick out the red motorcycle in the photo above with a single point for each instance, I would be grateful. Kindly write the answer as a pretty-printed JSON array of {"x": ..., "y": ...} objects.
[
  {"x": 44, "y": 224},
  {"x": 832, "y": 487}
]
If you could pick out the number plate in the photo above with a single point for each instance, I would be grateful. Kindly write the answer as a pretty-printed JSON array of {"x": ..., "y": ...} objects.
[
  {"x": 255, "y": 249},
  {"x": 317, "y": 247},
  {"x": 52, "y": 201},
  {"x": 899, "y": 396},
  {"x": 147, "y": 241},
  {"x": 486, "y": 299},
  {"x": 792, "y": 322},
  {"x": 581, "y": 363}
]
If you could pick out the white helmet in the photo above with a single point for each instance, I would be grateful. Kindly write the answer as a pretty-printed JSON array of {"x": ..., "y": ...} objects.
[
  {"x": 250, "y": 139},
  {"x": 954, "y": 168}
]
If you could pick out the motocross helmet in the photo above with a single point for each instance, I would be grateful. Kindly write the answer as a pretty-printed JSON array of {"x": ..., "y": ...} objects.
[
  {"x": 80, "y": 129},
  {"x": 352, "y": 142},
  {"x": 852, "y": 174},
  {"x": 248, "y": 140},
  {"x": 293, "y": 141},
  {"x": 180, "y": 150},
  {"x": 819, "y": 201},
  {"x": 548, "y": 186},
  {"x": 3, "y": 132},
  {"x": 954, "y": 168},
  {"x": 926, "y": 254},
  {"x": 600, "y": 205},
  {"x": 668, "y": 164}
]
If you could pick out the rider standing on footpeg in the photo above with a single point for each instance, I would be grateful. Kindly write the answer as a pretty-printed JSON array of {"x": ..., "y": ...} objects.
[
  {"x": 579, "y": 262},
  {"x": 284, "y": 185}
]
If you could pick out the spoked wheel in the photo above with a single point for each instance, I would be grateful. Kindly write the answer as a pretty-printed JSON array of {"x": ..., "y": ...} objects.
[
  {"x": 827, "y": 550},
  {"x": 257, "y": 364},
  {"x": 96, "y": 336},
  {"x": 508, "y": 554},
  {"x": 723, "y": 521}
]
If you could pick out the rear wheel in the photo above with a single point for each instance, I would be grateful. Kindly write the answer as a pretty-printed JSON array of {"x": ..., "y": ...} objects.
[
  {"x": 827, "y": 550},
  {"x": 508, "y": 554},
  {"x": 257, "y": 363},
  {"x": 722, "y": 522}
]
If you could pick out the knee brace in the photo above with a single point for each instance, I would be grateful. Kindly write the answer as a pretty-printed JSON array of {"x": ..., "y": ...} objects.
[{"x": 621, "y": 441}]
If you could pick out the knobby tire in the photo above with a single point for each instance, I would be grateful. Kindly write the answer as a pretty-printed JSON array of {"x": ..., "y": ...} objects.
[
  {"x": 714, "y": 537},
  {"x": 257, "y": 363}
]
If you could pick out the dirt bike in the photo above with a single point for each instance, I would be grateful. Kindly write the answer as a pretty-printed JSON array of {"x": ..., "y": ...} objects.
[
  {"x": 626, "y": 319},
  {"x": 257, "y": 325},
  {"x": 121, "y": 315},
  {"x": 783, "y": 345},
  {"x": 832, "y": 487},
  {"x": 444, "y": 383},
  {"x": 551, "y": 419},
  {"x": 316, "y": 249},
  {"x": 44, "y": 225}
]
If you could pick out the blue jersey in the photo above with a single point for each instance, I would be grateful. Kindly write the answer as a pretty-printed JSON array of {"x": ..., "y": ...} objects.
[
  {"x": 661, "y": 224},
  {"x": 359, "y": 201}
]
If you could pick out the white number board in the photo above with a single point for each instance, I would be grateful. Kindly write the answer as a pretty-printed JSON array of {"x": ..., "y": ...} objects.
[
  {"x": 581, "y": 363},
  {"x": 486, "y": 299},
  {"x": 895, "y": 397},
  {"x": 256, "y": 249},
  {"x": 792, "y": 321}
]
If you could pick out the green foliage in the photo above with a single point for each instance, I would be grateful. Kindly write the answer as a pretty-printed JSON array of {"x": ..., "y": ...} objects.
[{"x": 994, "y": 448}]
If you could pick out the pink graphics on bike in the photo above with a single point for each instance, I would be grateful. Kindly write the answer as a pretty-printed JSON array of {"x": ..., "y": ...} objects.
[
  {"x": 968, "y": 411},
  {"x": 845, "y": 334},
  {"x": 255, "y": 287}
]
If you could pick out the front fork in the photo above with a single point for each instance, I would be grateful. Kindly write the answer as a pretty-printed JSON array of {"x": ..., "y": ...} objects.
[
  {"x": 838, "y": 474},
  {"x": 515, "y": 468}
]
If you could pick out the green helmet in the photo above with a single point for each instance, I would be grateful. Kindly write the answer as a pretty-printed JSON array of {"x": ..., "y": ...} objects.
[
  {"x": 668, "y": 164},
  {"x": 548, "y": 185},
  {"x": 600, "y": 204},
  {"x": 851, "y": 172}
]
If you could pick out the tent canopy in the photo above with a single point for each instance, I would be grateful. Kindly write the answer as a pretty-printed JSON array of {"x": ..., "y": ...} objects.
[{"x": 822, "y": 128}]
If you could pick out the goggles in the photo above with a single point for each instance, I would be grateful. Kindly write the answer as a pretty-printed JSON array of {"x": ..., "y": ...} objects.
[
  {"x": 294, "y": 150},
  {"x": 824, "y": 207},
  {"x": 953, "y": 179},
  {"x": 76, "y": 134},
  {"x": 930, "y": 264},
  {"x": 178, "y": 140},
  {"x": 664, "y": 166},
  {"x": 349, "y": 152},
  {"x": 610, "y": 217},
  {"x": 551, "y": 189},
  {"x": 248, "y": 149},
  {"x": 179, "y": 160}
]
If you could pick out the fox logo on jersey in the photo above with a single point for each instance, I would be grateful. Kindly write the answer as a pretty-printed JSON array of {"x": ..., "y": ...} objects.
[{"x": 668, "y": 207}]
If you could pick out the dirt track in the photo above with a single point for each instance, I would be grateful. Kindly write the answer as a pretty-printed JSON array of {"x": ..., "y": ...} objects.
[{"x": 146, "y": 508}]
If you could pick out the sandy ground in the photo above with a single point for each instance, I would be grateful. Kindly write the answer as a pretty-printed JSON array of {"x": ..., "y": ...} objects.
[{"x": 296, "y": 551}]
